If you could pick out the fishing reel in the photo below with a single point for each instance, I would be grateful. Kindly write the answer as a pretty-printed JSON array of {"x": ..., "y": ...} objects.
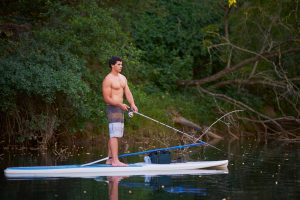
[{"x": 130, "y": 113}]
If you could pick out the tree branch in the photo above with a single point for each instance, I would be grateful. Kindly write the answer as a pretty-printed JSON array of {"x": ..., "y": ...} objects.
[{"x": 234, "y": 68}]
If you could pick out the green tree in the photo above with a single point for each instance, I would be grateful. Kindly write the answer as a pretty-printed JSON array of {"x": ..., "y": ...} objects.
[
  {"x": 52, "y": 71},
  {"x": 171, "y": 36},
  {"x": 259, "y": 50}
]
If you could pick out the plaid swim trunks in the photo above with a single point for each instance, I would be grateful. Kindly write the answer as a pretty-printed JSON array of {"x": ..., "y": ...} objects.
[{"x": 115, "y": 116}]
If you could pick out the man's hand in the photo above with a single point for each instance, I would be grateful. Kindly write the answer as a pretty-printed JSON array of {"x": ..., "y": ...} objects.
[
  {"x": 124, "y": 107},
  {"x": 134, "y": 108}
]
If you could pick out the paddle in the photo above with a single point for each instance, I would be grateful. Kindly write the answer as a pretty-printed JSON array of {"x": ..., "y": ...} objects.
[{"x": 149, "y": 151}]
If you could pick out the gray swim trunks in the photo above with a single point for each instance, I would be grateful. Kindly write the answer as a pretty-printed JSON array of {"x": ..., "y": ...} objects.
[{"x": 115, "y": 116}]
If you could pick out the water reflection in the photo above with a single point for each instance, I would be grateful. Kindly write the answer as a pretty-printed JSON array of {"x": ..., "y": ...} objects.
[
  {"x": 166, "y": 184},
  {"x": 113, "y": 186},
  {"x": 172, "y": 184}
]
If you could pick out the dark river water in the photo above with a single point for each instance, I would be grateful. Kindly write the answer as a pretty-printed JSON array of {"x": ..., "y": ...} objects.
[{"x": 256, "y": 171}]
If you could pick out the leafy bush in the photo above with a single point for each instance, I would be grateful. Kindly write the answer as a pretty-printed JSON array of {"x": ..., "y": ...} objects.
[
  {"x": 89, "y": 32},
  {"x": 36, "y": 69}
]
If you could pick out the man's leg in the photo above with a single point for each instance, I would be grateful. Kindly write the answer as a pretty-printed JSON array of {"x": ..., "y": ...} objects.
[{"x": 113, "y": 143}]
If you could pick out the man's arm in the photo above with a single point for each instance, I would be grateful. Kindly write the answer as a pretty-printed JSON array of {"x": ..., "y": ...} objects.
[{"x": 130, "y": 98}]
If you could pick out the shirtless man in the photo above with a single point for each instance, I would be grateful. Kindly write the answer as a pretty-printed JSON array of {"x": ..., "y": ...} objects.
[{"x": 114, "y": 87}]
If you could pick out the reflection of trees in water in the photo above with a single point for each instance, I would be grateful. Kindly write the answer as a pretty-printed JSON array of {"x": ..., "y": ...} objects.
[{"x": 272, "y": 166}]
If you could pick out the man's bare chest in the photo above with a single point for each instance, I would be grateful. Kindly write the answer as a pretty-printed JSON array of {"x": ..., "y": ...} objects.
[{"x": 117, "y": 84}]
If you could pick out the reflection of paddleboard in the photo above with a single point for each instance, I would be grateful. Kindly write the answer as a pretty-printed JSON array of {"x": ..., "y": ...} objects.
[
  {"x": 179, "y": 190},
  {"x": 169, "y": 183},
  {"x": 108, "y": 170},
  {"x": 161, "y": 184}
]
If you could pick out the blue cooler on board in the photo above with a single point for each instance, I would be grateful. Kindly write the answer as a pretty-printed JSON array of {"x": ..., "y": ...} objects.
[{"x": 160, "y": 157}]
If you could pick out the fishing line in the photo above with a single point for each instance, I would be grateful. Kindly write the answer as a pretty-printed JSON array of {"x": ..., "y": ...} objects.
[{"x": 206, "y": 130}]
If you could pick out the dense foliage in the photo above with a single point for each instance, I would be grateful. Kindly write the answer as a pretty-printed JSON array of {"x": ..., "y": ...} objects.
[
  {"x": 58, "y": 64},
  {"x": 53, "y": 57}
]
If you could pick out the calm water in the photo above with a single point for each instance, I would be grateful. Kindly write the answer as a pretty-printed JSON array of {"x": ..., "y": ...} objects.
[{"x": 255, "y": 171}]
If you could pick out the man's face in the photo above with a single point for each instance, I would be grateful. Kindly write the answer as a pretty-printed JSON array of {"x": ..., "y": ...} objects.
[{"x": 118, "y": 66}]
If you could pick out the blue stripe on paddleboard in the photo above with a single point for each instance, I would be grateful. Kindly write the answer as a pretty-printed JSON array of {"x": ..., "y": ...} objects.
[{"x": 66, "y": 167}]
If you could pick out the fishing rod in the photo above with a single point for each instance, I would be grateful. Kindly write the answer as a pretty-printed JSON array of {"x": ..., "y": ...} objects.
[
  {"x": 185, "y": 134},
  {"x": 148, "y": 151},
  {"x": 206, "y": 130}
]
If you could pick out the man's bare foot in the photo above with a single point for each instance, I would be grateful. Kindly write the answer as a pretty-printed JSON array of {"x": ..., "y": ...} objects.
[
  {"x": 118, "y": 164},
  {"x": 108, "y": 162}
]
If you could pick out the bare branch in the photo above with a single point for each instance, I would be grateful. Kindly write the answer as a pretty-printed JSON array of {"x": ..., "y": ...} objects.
[
  {"x": 266, "y": 83},
  {"x": 234, "y": 68},
  {"x": 242, "y": 106}
]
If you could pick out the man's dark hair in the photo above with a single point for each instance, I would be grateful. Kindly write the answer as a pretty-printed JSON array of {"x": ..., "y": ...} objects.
[{"x": 113, "y": 60}]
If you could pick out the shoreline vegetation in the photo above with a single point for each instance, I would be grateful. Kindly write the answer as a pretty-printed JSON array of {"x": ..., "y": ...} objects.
[{"x": 187, "y": 62}]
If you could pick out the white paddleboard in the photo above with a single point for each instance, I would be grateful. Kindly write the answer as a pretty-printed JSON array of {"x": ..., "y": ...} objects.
[{"x": 108, "y": 170}]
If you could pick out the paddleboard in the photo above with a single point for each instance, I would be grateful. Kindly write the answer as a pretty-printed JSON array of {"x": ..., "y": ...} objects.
[{"x": 108, "y": 170}]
